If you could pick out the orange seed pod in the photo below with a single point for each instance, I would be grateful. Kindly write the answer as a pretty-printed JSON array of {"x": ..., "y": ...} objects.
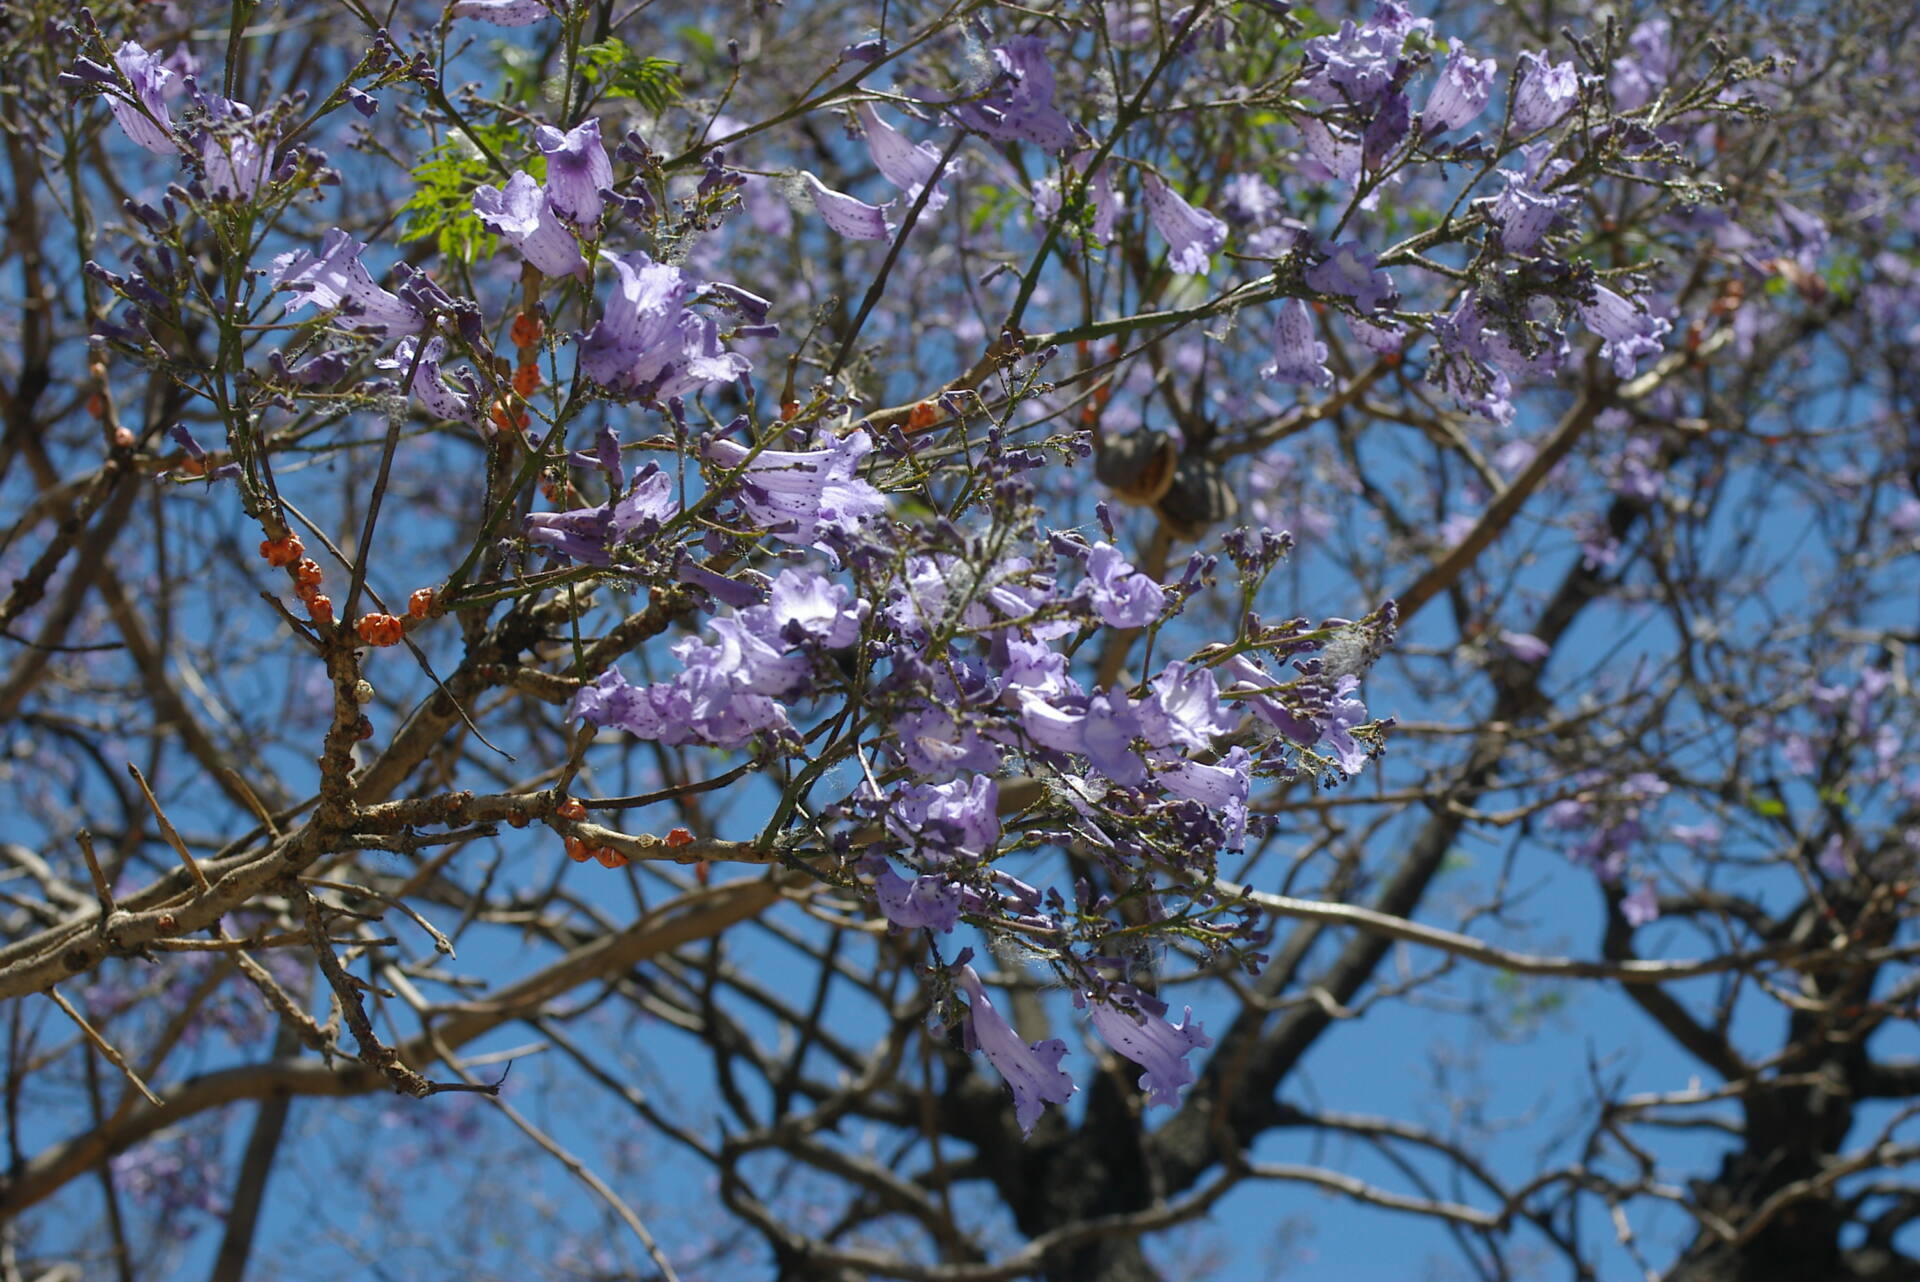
[{"x": 527, "y": 330}]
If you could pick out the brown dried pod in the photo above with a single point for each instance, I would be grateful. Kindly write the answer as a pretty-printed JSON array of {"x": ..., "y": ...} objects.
[
  {"x": 1197, "y": 499},
  {"x": 1138, "y": 467}
]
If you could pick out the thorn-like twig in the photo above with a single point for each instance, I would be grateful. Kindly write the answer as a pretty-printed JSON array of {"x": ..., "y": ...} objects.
[
  {"x": 166, "y": 829},
  {"x": 104, "y": 1047}
]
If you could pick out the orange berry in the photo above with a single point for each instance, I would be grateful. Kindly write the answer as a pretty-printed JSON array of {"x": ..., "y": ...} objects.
[
  {"x": 320, "y": 609},
  {"x": 419, "y": 603},
  {"x": 610, "y": 858},
  {"x": 679, "y": 837},
  {"x": 578, "y": 850},
  {"x": 379, "y": 629},
  {"x": 924, "y": 416},
  {"x": 281, "y": 552},
  {"x": 527, "y": 330},
  {"x": 526, "y": 378},
  {"x": 788, "y": 409},
  {"x": 308, "y": 572},
  {"x": 570, "y": 809}
]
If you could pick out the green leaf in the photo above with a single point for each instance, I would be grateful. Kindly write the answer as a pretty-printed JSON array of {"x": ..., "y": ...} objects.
[
  {"x": 617, "y": 72},
  {"x": 441, "y": 206}
]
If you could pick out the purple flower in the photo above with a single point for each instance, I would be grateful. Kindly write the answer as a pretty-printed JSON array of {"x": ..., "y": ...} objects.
[
  {"x": 1033, "y": 1071},
  {"x": 1298, "y": 356},
  {"x": 1798, "y": 750},
  {"x": 925, "y": 903},
  {"x": 1460, "y": 94},
  {"x": 1184, "y": 711},
  {"x": 648, "y": 342},
  {"x": 701, "y": 705},
  {"x": 1832, "y": 860},
  {"x": 931, "y": 743},
  {"x": 1351, "y": 272},
  {"x": 1255, "y": 687},
  {"x": 1249, "y": 198},
  {"x": 577, "y": 172},
  {"x": 520, "y": 213},
  {"x": 959, "y": 817},
  {"x": 1696, "y": 836},
  {"x": 805, "y": 603},
  {"x": 1107, "y": 734},
  {"x": 1343, "y": 713},
  {"x": 336, "y": 281},
  {"x": 589, "y": 535},
  {"x": 502, "y": 13},
  {"x": 1525, "y": 647},
  {"x": 1023, "y": 111},
  {"x": 797, "y": 493},
  {"x": 1392, "y": 119},
  {"x": 459, "y": 404},
  {"x": 1383, "y": 337},
  {"x": 152, "y": 83},
  {"x": 751, "y": 653},
  {"x": 1526, "y": 211},
  {"x": 854, "y": 219},
  {"x": 1647, "y": 66},
  {"x": 1336, "y": 152},
  {"x": 908, "y": 166},
  {"x": 1118, "y": 595},
  {"x": 1546, "y": 92},
  {"x": 321, "y": 369},
  {"x": 1036, "y": 666},
  {"x": 1192, "y": 234},
  {"x": 1133, "y": 1023},
  {"x": 1627, "y": 332},
  {"x": 1635, "y": 472},
  {"x": 1223, "y": 789},
  {"x": 1641, "y": 905},
  {"x": 1359, "y": 64},
  {"x": 1106, "y": 202},
  {"x": 232, "y": 150}
]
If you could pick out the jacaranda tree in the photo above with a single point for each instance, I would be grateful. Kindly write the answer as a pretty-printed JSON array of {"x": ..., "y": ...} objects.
[{"x": 907, "y": 638}]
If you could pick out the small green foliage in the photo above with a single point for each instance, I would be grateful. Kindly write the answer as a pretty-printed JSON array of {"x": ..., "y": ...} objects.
[
  {"x": 1767, "y": 807},
  {"x": 441, "y": 207},
  {"x": 991, "y": 205},
  {"x": 614, "y": 71}
]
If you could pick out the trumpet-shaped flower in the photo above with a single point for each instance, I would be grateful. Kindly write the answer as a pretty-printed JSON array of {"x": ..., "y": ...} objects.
[
  {"x": 1031, "y": 1070},
  {"x": 521, "y": 213},
  {"x": 336, "y": 280},
  {"x": 648, "y": 343},
  {"x": 1192, "y": 235},
  {"x": 577, "y": 172}
]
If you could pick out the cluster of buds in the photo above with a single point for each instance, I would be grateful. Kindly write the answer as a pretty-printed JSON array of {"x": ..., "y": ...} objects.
[
  {"x": 283, "y": 551},
  {"x": 579, "y": 851},
  {"x": 380, "y": 629},
  {"x": 307, "y": 575},
  {"x": 526, "y": 334},
  {"x": 923, "y": 416}
]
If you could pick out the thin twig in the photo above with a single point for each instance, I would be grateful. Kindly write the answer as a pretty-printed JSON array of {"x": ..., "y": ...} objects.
[
  {"x": 166, "y": 829},
  {"x": 104, "y": 1047}
]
